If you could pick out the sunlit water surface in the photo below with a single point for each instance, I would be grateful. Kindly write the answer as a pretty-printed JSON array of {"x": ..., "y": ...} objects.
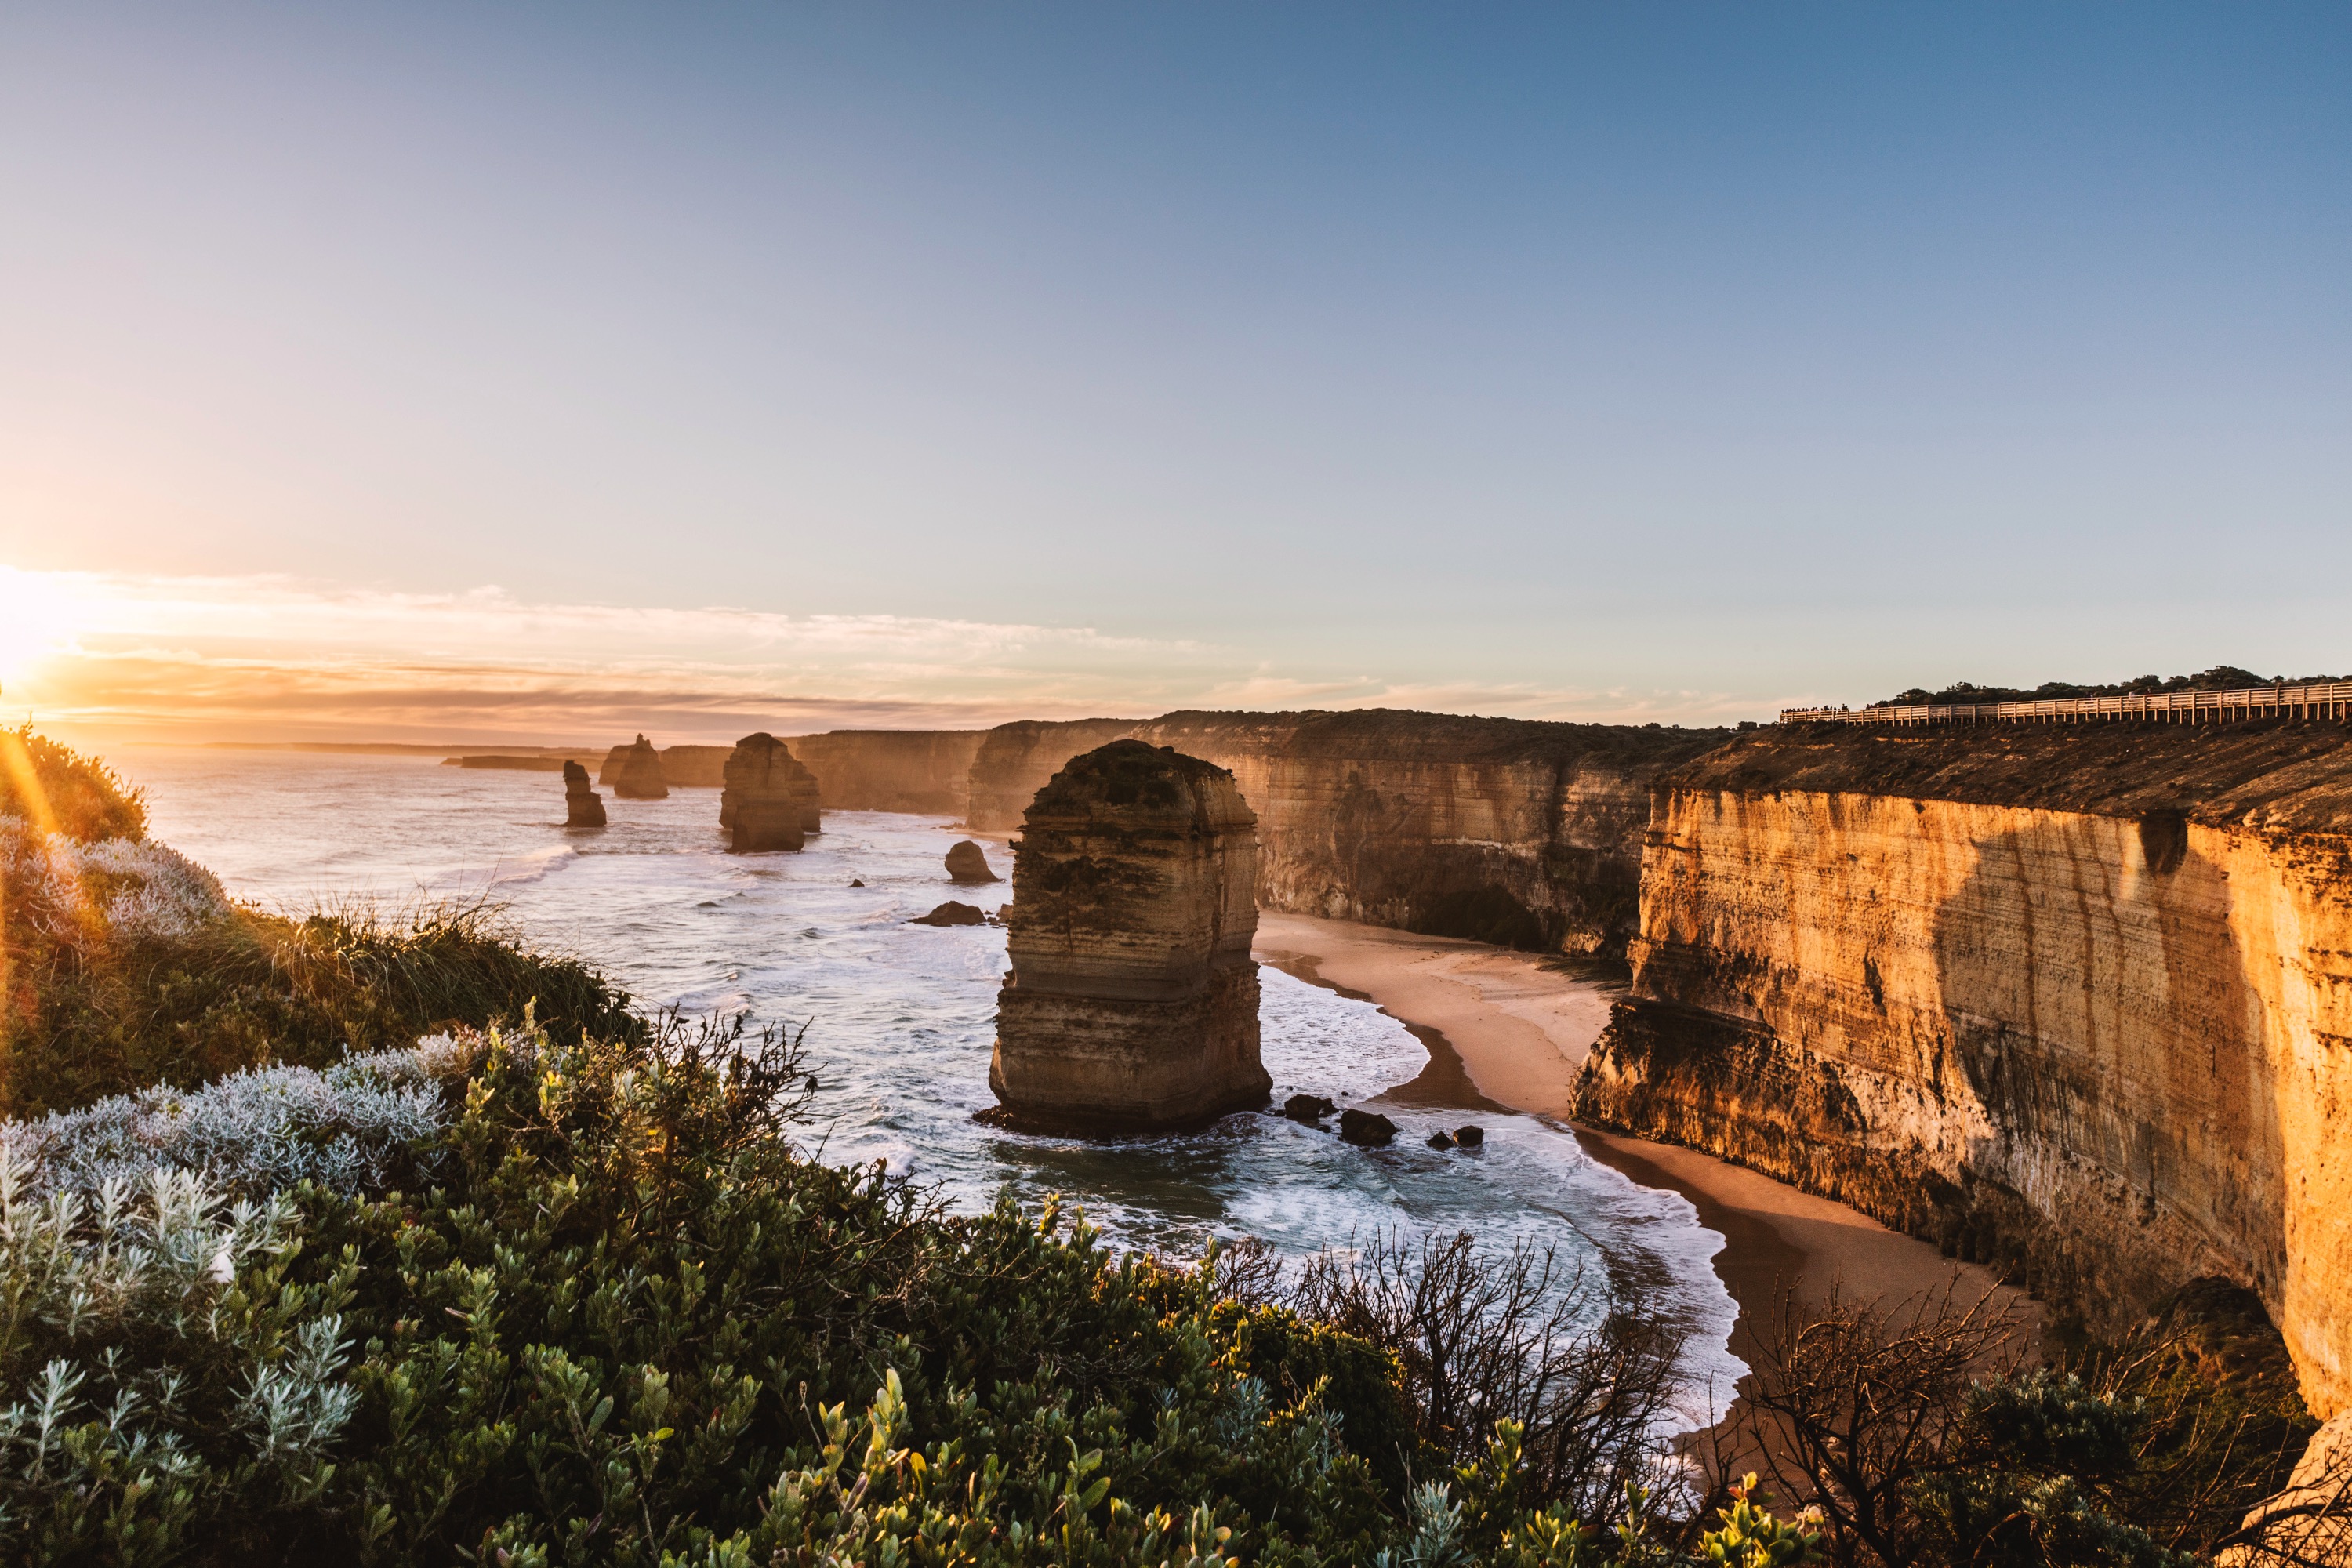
[{"x": 901, "y": 1016}]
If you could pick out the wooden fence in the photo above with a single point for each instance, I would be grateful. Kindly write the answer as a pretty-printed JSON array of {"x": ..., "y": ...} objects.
[{"x": 2277, "y": 701}]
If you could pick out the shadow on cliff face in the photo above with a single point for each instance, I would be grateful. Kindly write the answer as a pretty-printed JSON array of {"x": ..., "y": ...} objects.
[{"x": 2096, "y": 1007}]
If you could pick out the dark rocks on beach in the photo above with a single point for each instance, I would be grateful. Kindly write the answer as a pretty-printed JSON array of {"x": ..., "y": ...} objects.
[
  {"x": 1441, "y": 1140},
  {"x": 1369, "y": 1129},
  {"x": 639, "y": 775},
  {"x": 1309, "y": 1108},
  {"x": 1470, "y": 1137},
  {"x": 583, "y": 807},
  {"x": 857, "y": 881},
  {"x": 951, "y": 913},
  {"x": 968, "y": 863},
  {"x": 769, "y": 797}
]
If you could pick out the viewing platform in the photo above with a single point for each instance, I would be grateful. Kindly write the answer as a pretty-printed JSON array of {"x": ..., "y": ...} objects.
[{"x": 2332, "y": 700}]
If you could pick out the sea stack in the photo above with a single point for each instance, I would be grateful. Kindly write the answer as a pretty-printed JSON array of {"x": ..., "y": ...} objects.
[
  {"x": 770, "y": 801},
  {"x": 639, "y": 776},
  {"x": 583, "y": 807},
  {"x": 1132, "y": 1000},
  {"x": 967, "y": 862}
]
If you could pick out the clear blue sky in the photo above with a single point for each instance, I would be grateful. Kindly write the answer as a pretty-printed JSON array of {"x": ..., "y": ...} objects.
[{"x": 1670, "y": 358}]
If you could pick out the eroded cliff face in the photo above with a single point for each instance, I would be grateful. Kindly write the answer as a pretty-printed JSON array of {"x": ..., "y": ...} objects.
[
  {"x": 1504, "y": 830},
  {"x": 925, "y": 771},
  {"x": 1013, "y": 762},
  {"x": 2074, "y": 1002}
]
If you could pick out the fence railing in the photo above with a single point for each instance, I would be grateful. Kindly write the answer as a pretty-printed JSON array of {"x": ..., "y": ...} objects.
[{"x": 2331, "y": 699}]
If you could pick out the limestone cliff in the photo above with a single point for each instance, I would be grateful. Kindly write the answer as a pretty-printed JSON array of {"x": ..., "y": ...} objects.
[
  {"x": 925, "y": 771},
  {"x": 1014, "y": 761},
  {"x": 1132, "y": 1000},
  {"x": 2077, "y": 1002},
  {"x": 1504, "y": 830}
]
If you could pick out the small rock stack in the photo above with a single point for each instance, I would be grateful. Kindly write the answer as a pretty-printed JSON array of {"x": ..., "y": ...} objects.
[
  {"x": 639, "y": 774},
  {"x": 968, "y": 862},
  {"x": 583, "y": 807},
  {"x": 770, "y": 801},
  {"x": 1132, "y": 1001}
]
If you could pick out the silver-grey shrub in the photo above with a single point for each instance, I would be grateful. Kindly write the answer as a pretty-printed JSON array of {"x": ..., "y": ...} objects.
[{"x": 349, "y": 1127}]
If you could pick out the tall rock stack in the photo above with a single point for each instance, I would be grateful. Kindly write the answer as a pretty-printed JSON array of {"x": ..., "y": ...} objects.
[
  {"x": 770, "y": 801},
  {"x": 639, "y": 774},
  {"x": 1132, "y": 1002},
  {"x": 583, "y": 807}
]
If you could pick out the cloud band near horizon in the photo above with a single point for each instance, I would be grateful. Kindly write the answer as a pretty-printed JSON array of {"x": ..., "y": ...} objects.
[{"x": 149, "y": 657}]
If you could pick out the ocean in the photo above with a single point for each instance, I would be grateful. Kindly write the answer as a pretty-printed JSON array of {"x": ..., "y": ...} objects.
[{"x": 899, "y": 1019}]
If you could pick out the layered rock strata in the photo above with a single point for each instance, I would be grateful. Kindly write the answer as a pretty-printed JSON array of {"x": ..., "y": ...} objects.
[
  {"x": 1132, "y": 1000},
  {"x": 2076, "y": 1002},
  {"x": 924, "y": 770},
  {"x": 634, "y": 772},
  {"x": 583, "y": 807},
  {"x": 770, "y": 800},
  {"x": 1511, "y": 831},
  {"x": 1013, "y": 762}
]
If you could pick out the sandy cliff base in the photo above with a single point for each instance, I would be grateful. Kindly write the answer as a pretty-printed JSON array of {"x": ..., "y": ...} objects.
[{"x": 1512, "y": 1028}]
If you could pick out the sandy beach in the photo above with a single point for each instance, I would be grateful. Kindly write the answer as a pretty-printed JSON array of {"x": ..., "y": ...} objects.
[{"x": 1513, "y": 1028}]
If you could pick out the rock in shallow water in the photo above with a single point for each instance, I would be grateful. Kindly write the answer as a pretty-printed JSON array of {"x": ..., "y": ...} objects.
[
  {"x": 769, "y": 797},
  {"x": 967, "y": 862},
  {"x": 639, "y": 773},
  {"x": 1441, "y": 1139},
  {"x": 1309, "y": 1108},
  {"x": 1132, "y": 1001},
  {"x": 951, "y": 913},
  {"x": 1369, "y": 1129},
  {"x": 583, "y": 807},
  {"x": 1470, "y": 1137}
]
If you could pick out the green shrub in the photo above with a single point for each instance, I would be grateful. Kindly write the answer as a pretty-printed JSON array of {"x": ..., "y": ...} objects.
[
  {"x": 629, "y": 1325},
  {"x": 61, "y": 791}
]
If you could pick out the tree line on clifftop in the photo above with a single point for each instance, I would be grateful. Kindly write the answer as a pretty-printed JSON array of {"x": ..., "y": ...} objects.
[
  {"x": 2220, "y": 678},
  {"x": 555, "y": 1284}
]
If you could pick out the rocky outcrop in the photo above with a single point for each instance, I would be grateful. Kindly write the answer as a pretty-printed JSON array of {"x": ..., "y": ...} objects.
[
  {"x": 924, "y": 770},
  {"x": 1132, "y": 1000},
  {"x": 1013, "y": 762},
  {"x": 2077, "y": 1002},
  {"x": 634, "y": 772},
  {"x": 966, "y": 862},
  {"x": 954, "y": 912},
  {"x": 769, "y": 799},
  {"x": 583, "y": 807},
  {"x": 1504, "y": 830}
]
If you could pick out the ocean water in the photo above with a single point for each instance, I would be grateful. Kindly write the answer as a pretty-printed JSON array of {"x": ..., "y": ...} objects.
[{"x": 900, "y": 1017}]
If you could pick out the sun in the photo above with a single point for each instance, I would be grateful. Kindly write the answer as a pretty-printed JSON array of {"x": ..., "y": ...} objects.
[{"x": 39, "y": 617}]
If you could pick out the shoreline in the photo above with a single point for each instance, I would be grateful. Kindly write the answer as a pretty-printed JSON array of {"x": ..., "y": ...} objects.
[{"x": 1512, "y": 1029}]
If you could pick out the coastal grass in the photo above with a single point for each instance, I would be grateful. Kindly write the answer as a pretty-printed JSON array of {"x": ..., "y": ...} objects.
[{"x": 122, "y": 965}]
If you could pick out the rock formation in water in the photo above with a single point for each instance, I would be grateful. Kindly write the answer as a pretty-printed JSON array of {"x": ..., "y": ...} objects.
[
  {"x": 1013, "y": 762},
  {"x": 954, "y": 912},
  {"x": 2074, "y": 1002},
  {"x": 583, "y": 807},
  {"x": 769, "y": 797},
  {"x": 1369, "y": 1129},
  {"x": 1132, "y": 1000},
  {"x": 967, "y": 863},
  {"x": 925, "y": 771},
  {"x": 636, "y": 772}
]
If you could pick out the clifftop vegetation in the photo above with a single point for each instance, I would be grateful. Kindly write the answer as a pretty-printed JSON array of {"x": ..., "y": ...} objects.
[{"x": 2220, "y": 678}]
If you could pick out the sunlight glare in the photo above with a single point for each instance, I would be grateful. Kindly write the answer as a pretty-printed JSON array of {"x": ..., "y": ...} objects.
[{"x": 37, "y": 617}]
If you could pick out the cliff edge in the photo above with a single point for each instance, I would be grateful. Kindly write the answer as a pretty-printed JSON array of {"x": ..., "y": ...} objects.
[{"x": 2077, "y": 1002}]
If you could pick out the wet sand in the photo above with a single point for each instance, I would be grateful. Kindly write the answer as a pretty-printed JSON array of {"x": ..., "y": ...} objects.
[{"x": 1513, "y": 1029}]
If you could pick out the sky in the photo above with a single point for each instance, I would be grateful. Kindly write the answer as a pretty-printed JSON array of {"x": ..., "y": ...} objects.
[{"x": 527, "y": 372}]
